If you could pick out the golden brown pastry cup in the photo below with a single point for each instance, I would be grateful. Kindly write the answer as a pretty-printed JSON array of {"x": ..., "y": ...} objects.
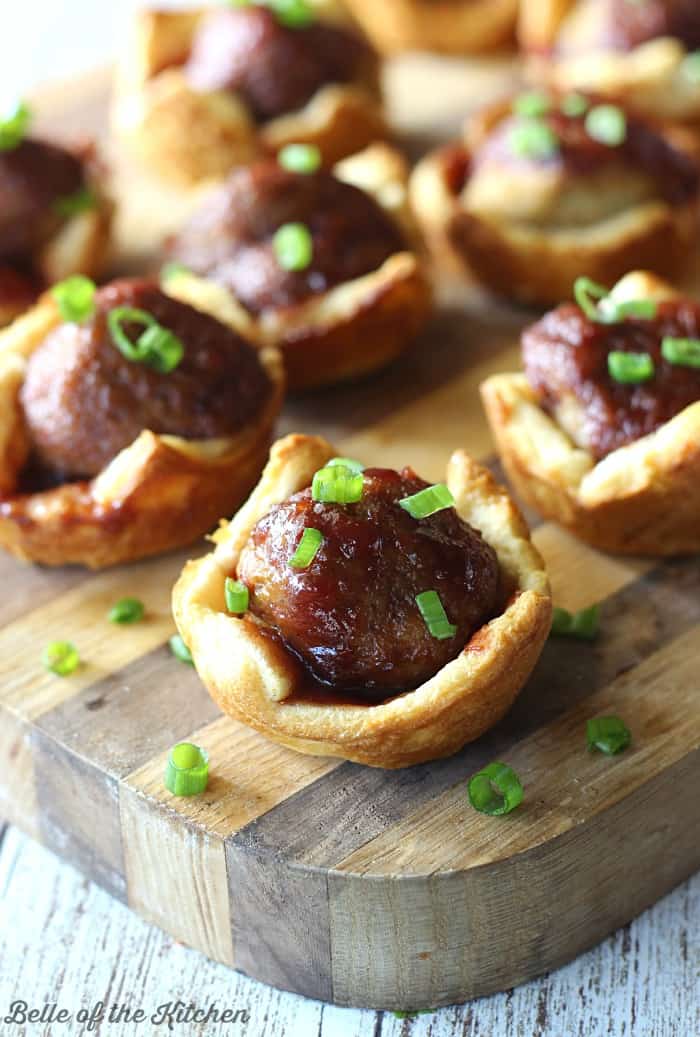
[
  {"x": 159, "y": 493},
  {"x": 446, "y": 26},
  {"x": 254, "y": 679},
  {"x": 642, "y": 499},
  {"x": 188, "y": 136}
]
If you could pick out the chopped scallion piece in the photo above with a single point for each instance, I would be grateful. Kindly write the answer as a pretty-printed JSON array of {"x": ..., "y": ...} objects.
[
  {"x": 346, "y": 462},
  {"x": 61, "y": 658},
  {"x": 75, "y": 298},
  {"x": 14, "y": 123},
  {"x": 300, "y": 158},
  {"x": 180, "y": 650},
  {"x": 155, "y": 347},
  {"x": 311, "y": 540},
  {"x": 600, "y": 307},
  {"x": 71, "y": 205},
  {"x": 574, "y": 105},
  {"x": 496, "y": 790},
  {"x": 607, "y": 124},
  {"x": 187, "y": 770},
  {"x": 434, "y": 615},
  {"x": 534, "y": 138},
  {"x": 608, "y": 735},
  {"x": 690, "y": 68},
  {"x": 682, "y": 351},
  {"x": 172, "y": 269},
  {"x": 127, "y": 610},
  {"x": 630, "y": 368},
  {"x": 428, "y": 501},
  {"x": 293, "y": 246},
  {"x": 532, "y": 103},
  {"x": 337, "y": 485},
  {"x": 294, "y": 14},
  {"x": 237, "y": 596},
  {"x": 584, "y": 624}
]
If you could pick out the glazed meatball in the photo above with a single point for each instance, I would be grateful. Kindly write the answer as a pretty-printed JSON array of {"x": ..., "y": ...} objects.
[
  {"x": 84, "y": 401},
  {"x": 566, "y": 362},
  {"x": 231, "y": 238},
  {"x": 276, "y": 69},
  {"x": 351, "y": 616},
  {"x": 33, "y": 176}
]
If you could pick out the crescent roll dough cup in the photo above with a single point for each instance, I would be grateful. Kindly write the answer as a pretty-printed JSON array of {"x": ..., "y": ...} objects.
[
  {"x": 641, "y": 499},
  {"x": 188, "y": 136},
  {"x": 159, "y": 493},
  {"x": 649, "y": 78},
  {"x": 448, "y": 26},
  {"x": 253, "y": 677}
]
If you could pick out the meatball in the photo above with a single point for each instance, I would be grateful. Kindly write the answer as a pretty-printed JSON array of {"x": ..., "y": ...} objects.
[
  {"x": 275, "y": 68},
  {"x": 84, "y": 401},
  {"x": 231, "y": 238},
  {"x": 634, "y": 23},
  {"x": 351, "y": 616},
  {"x": 33, "y": 176},
  {"x": 566, "y": 362}
]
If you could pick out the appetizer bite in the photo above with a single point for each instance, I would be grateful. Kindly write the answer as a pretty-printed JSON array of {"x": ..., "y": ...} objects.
[
  {"x": 55, "y": 217},
  {"x": 128, "y": 422},
  {"x": 449, "y": 26},
  {"x": 200, "y": 92},
  {"x": 602, "y": 431},
  {"x": 318, "y": 263},
  {"x": 364, "y": 614},
  {"x": 553, "y": 186},
  {"x": 642, "y": 53}
]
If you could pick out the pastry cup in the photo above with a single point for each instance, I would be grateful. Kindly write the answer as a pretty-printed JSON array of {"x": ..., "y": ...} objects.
[
  {"x": 642, "y": 499},
  {"x": 159, "y": 493},
  {"x": 255, "y": 679},
  {"x": 448, "y": 26},
  {"x": 535, "y": 264},
  {"x": 188, "y": 136},
  {"x": 648, "y": 79},
  {"x": 354, "y": 328}
]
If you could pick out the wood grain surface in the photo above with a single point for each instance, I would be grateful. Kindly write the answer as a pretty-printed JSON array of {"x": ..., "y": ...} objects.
[{"x": 345, "y": 883}]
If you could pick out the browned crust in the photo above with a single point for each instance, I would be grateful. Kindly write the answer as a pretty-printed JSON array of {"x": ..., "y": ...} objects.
[
  {"x": 447, "y": 26},
  {"x": 253, "y": 677}
]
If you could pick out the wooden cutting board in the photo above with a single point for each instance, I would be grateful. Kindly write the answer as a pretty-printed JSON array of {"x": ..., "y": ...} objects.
[{"x": 358, "y": 886}]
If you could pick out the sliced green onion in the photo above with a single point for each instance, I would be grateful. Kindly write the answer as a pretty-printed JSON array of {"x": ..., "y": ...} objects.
[
  {"x": 14, "y": 124},
  {"x": 588, "y": 294},
  {"x": 600, "y": 307},
  {"x": 532, "y": 103},
  {"x": 630, "y": 368},
  {"x": 311, "y": 540},
  {"x": 608, "y": 735},
  {"x": 61, "y": 658},
  {"x": 574, "y": 105},
  {"x": 337, "y": 485},
  {"x": 237, "y": 596},
  {"x": 533, "y": 138},
  {"x": 127, "y": 610},
  {"x": 434, "y": 615},
  {"x": 607, "y": 124},
  {"x": 75, "y": 298},
  {"x": 428, "y": 501},
  {"x": 173, "y": 269},
  {"x": 682, "y": 351},
  {"x": 690, "y": 68},
  {"x": 187, "y": 770},
  {"x": 156, "y": 347},
  {"x": 293, "y": 246},
  {"x": 584, "y": 624},
  {"x": 180, "y": 650},
  {"x": 300, "y": 158},
  {"x": 496, "y": 790},
  {"x": 346, "y": 462},
  {"x": 83, "y": 200},
  {"x": 294, "y": 14}
]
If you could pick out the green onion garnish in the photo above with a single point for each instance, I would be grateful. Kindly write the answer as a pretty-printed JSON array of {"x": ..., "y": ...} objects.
[
  {"x": 337, "y": 485},
  {"x": 574, "y": 105},
  {"x": 608, "y": 735},
  {"x": 294, "y": 14},
  {"x": 346, "y": 462},
  {"x": 61, "y": 658},
  {"x": 434, "y": 615},
  {"x": 293, "y": 246},
  {"x": 496, "y": 790},
  {"x": 187, "y": 770},
  {"x": 428, "y": 501},
  {"x": 75, "y": 298},
  {"x": 237, "y": 596},
  {"x": 630, "y": 368},
  {"x": 300, "y": 158},
  {"x": 690, "y": 68},
  {"x": 14, "y": 124},
  {"x": 682, "y": 351},
  {"x": 532, "y": 103},
  {"x": 311, "y": 540},
  {"x": 600, "y": 307},
  {"x": 607, "y": 124},
  {"x": 180, "y": 650},
  {"x": 127, "y": 610},
  {"x": 71, "y": 205},
  {"x": 584, "y": 624},
  {"x": 533, "y": 138},
  {"x": 156, "y": 347},
  {"x": 173, "y": 269}
]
